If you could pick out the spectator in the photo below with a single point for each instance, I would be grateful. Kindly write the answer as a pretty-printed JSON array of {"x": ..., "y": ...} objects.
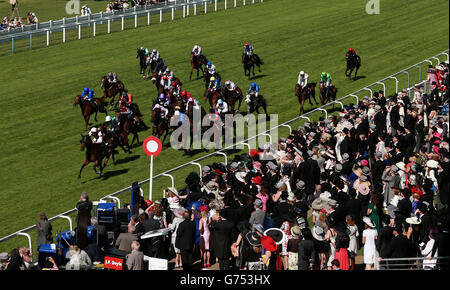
[
  {"x": 78, "y": 258},
  {"x": 223, "y": 232},
  {"x": 4, "y": 260},
  {"x": 353, "y": 240},
  {"x": 307, "y": 255},
  {"x": 44, "y": 229},
  {"x": 427, "y": 251},
  {"x": 335, "y": 265},
  {"x": 135, "y": 260},
  {"x": 368, "y": 240},
  {"x": 185, "y": 240},
  {"x": 204, "y": 238},
  {"x": 125, "y": 240},
  {"x": 85, "y": 10},
  {"x": 178, "y": 218}
]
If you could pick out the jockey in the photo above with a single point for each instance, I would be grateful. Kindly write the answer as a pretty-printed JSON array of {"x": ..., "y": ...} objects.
[
  {"x": 230, "y": 86},
  {"x": 97, "y": 135},
  {"x": 211, "y": 68},
  {"x": 197, "y": 50},
  {"x": 127, "y": 98},
  {"x": 179, "y": 113},
  {"x": 163, "y": 100},
  {"x": 221, "y": 107},
  {"x": 351, "y": 53},
  {"x": 303, "y": 79},
  {"x": 89, "y": 94},
  {"x": 112, "y": 124},
  {"x": 163, "y": 110},
  {"x": 184, "y": 94},
  {"x": 169, "y": 74},
  {"x": 112, "y": 78},
  {"x": 147, "y": 52},
  {"x": 214, "y": 83},
  {"x": 155, "y": 55},
  {"x": 326, "y": 77},
  {"x": 175, "y": 89},
  {"x": 248, "y": 49},
  {"x": 165, "y": 83},
  {"x": 253, "y": 89}
]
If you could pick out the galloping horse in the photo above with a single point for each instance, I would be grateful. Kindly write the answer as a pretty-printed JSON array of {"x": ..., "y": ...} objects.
[
  {"x": 249, "y": 63},
  {"x": 255, "y": 103},
  {"x": 212, "y": 96},
  {"x": 160, "y": 124},
  {"x": 110, "y": 91},
  {"x": 327, "y": 94},
  {"x": 303, "y": 94},
  {"x": 197, "y": 63},
  {"x": 207, "y": 77},
  {"x": 232, "y": 97},
  {"x": 352, "y": 63},
  {"x": 88, "y": 108},
  {"x": 94, "y": 153},
  {"x": 142, "y": 61}
]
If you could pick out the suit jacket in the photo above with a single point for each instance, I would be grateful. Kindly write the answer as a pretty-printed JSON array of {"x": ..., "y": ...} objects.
[
  {"x": 312, "y": 175},
  {"x": 124, "y": 240},
  {"x": 306, "y": 251},
  {"x": 384, "y": 241},
  {"x": 185, "y": 239},
  {"x": 257, "y": 217},
  {"x": 135, "y": 260},
  {"x": 150, "y": 224},
  {"x": 224, "y": 234},
  {"x": 395, "y": 117},
  {"x": 400, "y": 247}
]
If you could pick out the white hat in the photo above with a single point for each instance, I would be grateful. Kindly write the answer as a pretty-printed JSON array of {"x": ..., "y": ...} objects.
[
  {"x": 241, "y": 175},
  {"x": 318, "y": 233},
  {"x": 108, "y": 119},
  {"x": 432, "y": 164},
  {"x": 413, "y": 220},
  {"x": 368, "y": 222},
  {"x": 401, "y": 165}
]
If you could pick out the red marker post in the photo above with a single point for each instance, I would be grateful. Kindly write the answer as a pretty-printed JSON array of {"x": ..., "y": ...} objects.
[{"x": 152, "y": 147}]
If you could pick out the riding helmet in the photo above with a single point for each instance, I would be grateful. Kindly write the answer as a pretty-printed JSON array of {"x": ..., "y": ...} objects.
[
  {"x": 209, "y": 63},
  {"x": 86, "y": 89}
]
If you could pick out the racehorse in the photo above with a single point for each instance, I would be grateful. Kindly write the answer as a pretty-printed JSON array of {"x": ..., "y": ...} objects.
[
  {"x": 327, "y": 94},
  {"x": 110, "y": 91},
  {"x": 255, "y": 103},
  {"x": 88, "y": 108},
  {"x": 249, "y": 63},
  {"x": 142, "y": 61},
  {"x": 94, "y": 154},
  {"x": 212, "y": 96},
  {"x": 232, "y": 97},
  {"x": 197, "y": 63},
  {"x": 352, "y": 63},
  {"x": 303, "y": 94},
  {"x": 160, "y": 124}
]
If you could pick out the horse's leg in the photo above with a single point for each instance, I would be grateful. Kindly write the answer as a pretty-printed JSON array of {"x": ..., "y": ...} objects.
[
  {"x": 95, "y": 117},
  {"x": 81, "y": 169},
  {"x": 356, "y": 72},
  {"x": 192, "y": 68}
]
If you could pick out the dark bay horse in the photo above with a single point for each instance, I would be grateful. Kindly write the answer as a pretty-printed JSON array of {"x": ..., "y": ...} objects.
[
  {"x": 307, "y": 93},
  {"x": 212, "y": 96},
  {"x": 232, "y": 97},
  {"x": 94, "y": 154},
  {"x": 256, "y": 103},
  {"x": 110, "y": 91},
  {"x": 249, "y": 63},
  {"x": 160, "y": 125},
  {"x": 197, "y": 63},
  {"x": 352, "y": 63},
  {"x": 88, "y": 108},
  {"x": 142, "y": 61},
  {"x": 327, "y": 94}
]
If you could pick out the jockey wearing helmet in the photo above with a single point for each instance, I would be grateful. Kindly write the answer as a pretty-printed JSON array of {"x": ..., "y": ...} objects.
[
  {"x": 197, "y": 50},
  {"x": 351, "y": 53},
  {"x": 163, "y": 111},
  {"x": 180, "y": 114},
  {"x": 230, "y": 86},
  {"x": 211, "y": 68},
  {"x": 145, "y": 50},
  {"x": 88, "y": 94},
  {"x": 221, "y": 107},
  {"x": 163, "y": 100},
  {"x": 326, "y": 77},
  {"x": 214, "y": 83},
  {"x": 165, "y": 82},
  {"x": 175, "y": 89},
  {"x": 112, "y": 78},
  {"x": 126, "y": 98},
  {"x": 303, "y": 79},
  {"x": 248, "y": 49},
  {"x": 154, "y": 55},
  {"x": 97, "y": 135},
  {"x": 252, "y": 90}
]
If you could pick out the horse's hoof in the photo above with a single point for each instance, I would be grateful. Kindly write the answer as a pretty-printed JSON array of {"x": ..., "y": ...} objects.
[{"x": 79, "y": 176}]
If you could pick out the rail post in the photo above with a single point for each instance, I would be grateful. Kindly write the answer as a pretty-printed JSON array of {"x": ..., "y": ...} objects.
[
  {"x": 31, "y": 41},
  {"x": 195, "y": 9},
  {"x": 215, "y": 5},
  {"x": 184, "y": 11},
  {"x": 224, "y": 155},
  {"x": 109, "y": 26},
  {"x": 148, "y": 18},
  {"x": 30, "y": 245},
  {"x": 173, "y": 13},
  {"x": 205, "y": 7},
  {"x": 93, "y": 27},
  {"x": 384, "y": 88},
  {"x": 171, "y": 178},
  {"x": 160, "y": 15},
  {"x": 79, "y": 31},
  {"x": 357, "y": 98},
  {"x": 122, "y": 22},
  {"x": 48, "y": 37},
  {"x": 64, "y": 34},
  {"x": 69, "y": 219},
  {"x": 199, "y": 166},
  {"x": 135, "y": 19}
]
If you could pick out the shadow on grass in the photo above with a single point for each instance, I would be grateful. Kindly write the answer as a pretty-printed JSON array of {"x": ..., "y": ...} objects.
[
  {"x": 258, "y": 77},
  {"x": 128, "y": 159},
  {"x": 109, "y": 174}
]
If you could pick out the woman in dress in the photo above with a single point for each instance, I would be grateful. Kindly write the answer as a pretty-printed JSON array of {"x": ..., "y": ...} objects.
[
  {"x": 368, "y": 239},
  {"x": 331, "y": 239},
  {"x": 203, "y": 227},
  {"x": 372, "y": 210},
  {"x": 353, "y": 245}
]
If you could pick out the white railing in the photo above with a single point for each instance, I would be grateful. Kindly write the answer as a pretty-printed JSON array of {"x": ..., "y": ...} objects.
[
  {"x": 245, "y": 142},
  {"x": 92, "y": 20},
  {"x": 413, "y": 263}
]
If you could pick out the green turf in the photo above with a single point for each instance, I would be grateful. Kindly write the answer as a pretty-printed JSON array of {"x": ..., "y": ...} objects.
[{"x": 41, "y": 130}]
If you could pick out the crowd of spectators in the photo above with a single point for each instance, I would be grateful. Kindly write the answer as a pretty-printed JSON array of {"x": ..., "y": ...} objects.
[
  {"x": 374, "y": 177},
  {"x": 17, "y": 22},
  {"x": 119, "y": 4}
]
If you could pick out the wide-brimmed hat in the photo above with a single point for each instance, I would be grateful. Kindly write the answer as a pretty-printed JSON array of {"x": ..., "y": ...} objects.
[
  {"x": 173, "y": 190},
  {"x": 4, "y": 257},
  {"x": 272, "y": 166},
  {"x": 300, "y": 185},
  {"x": 258, "y": 203},
  {"x": 363, "y": 188},
  {"x": 259, "y": 228},
  {"x": 268, "y": 243},
  {"x": 291, "y": 196},
  {"x": 318, "y": 233},
  {"x": 413, "y": 220},
  {"x": 432, "y": 164},
  {"x": 401, "y": 165},
  {"x": 363, "y": 178},
  {"x": 276, "y": 234},
  {"x": 240, "y": 176},
  {"x": 296, "y": 231},
  {"x": 366, "y": 170},
  {"x": 368, "y": 222},
  {"x": 253, "y": 238},
  {"x": 318, "y": 204}
]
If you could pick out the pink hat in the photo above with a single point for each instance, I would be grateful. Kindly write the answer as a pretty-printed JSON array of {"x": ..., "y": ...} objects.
[
  {"x": 364, "y": 162},
  {"x": 437, "y": 135},
  {"x": 257, "y": 165}
]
